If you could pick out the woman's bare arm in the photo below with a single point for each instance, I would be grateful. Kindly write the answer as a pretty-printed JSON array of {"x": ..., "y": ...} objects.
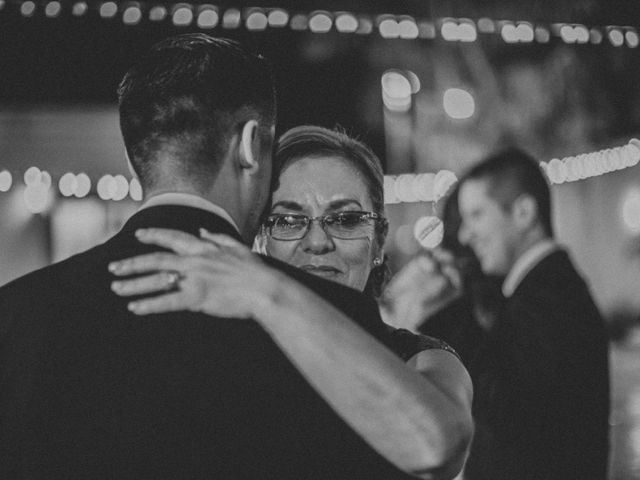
[{"x": 417, "y": 415}]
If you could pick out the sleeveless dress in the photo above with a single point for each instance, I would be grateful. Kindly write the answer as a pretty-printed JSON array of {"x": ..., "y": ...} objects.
[{"x": 406, "y": 344}]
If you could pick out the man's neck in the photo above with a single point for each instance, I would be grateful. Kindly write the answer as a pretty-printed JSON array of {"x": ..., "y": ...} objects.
[{"x": 189, "y": 199}]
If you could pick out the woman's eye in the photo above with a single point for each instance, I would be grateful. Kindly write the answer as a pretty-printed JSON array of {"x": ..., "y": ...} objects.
[{"x": 347, "y": 219}]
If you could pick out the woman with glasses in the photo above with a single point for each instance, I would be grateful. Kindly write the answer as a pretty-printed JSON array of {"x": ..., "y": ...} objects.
[{"x": 327, "y": 218}]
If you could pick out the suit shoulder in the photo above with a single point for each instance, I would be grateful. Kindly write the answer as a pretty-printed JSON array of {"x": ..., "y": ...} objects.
[{"x": 56, "y": 275}]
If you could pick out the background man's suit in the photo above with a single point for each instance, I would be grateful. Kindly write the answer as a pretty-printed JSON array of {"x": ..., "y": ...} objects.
[
  {"x": 88, "y": 390},
  {"x": 541, "y": 381}
]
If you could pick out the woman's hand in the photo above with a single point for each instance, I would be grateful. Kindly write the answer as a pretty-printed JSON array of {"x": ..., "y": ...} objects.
[
  {"x": 429, "y": 282},
  {"x": 218, "y": 276}
]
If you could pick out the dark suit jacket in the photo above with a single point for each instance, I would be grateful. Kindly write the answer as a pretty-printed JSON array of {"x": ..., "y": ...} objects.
[
  {"x": 89, "y": 391},
  {"x": 541, "y": 381}
]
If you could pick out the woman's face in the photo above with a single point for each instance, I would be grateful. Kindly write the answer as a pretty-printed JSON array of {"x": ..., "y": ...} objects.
[{"x": 316, "y": 186}]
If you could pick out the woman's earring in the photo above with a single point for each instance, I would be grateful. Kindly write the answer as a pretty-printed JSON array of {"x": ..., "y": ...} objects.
[{"x": 377, "y": 262}]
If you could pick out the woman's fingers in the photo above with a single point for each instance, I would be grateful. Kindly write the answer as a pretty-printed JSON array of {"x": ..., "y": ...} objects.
[
  {"x": 180, "y": 242},
  {"x": 170, "y": 302},
  {"x": 222, "y": 240},
  {"x": 148, "y": 284},
  {"x": 147, "y": 263}
]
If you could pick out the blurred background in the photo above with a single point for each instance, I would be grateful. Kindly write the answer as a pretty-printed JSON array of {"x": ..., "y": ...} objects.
[{"x": 432, "y": 86}]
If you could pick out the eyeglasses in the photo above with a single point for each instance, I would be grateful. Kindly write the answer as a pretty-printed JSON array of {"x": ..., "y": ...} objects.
[{"x": 343, "y": 225}]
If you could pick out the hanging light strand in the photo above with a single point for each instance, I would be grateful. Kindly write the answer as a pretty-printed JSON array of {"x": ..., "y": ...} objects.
[{"x": 396, "y": 26}]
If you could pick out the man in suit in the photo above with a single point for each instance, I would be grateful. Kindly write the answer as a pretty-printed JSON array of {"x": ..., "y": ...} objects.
[
  {"x": 87, "y": 390},
  {"x": 540, "y": 369}
]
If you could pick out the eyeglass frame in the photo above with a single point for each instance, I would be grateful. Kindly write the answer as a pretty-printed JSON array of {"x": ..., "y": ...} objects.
[{"x": 380, "y": 223}]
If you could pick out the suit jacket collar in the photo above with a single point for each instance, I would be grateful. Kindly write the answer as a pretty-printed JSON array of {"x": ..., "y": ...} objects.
[
  {"x": 545, "y": 270},
  {"x": 527, "y": 261}
]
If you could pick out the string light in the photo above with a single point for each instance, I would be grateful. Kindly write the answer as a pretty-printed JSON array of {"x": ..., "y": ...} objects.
[
  {"x": 278, "y": 18},
  {"x": 207, "y": 16},
  {"x": 132, "y": 15},
  {"x": 426, "y": 29},
  {"x": 407, "y": 28},
  {"x": 256, "y": 20},
  {"x": 27, "y": 9},
  {"x": 396, "y": 91},
  {"x": 320, "y": 21},
  {"x": 542, "y": 34},
  {"x": 616, "y": 37},
  {"x": 79, "y": 9},
  {"x": 462, "y": 30},
  {"x": 108, "y": 10},
  {"x": 422, "y": 187},
  {"x": 388, "y": 27},
  {"x": 571, "y": 169},
  {"x": 346, "y": 23},
  {"x": 486, "y": 25},
  {"x": 458, "y": 103},
  {"x": 365, "y": 25},
  {"x": 158, "y": 13},
  {"x": 299, "y": 22},
  {"x": 231, "y": 18},
  {"x": 52, "y": 9},
  {"x": 182, "y": 15},
  {"x": 6, "y": 180}
]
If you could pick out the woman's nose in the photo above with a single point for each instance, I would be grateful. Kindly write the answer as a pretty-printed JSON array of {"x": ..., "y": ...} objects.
[{"x": 317, "y": 240}]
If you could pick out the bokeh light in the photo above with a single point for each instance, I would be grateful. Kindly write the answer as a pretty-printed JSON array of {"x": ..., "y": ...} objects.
[
  {"x": 231, "y": 18},
  {"x": 257, "y": 20},
  {"x": 52, "y": 9},
  {"x": 108, "y": 10},
  {"x": 458, "y": 103},
  {"x": 396, "y": 91},
  {"x": 132, "y": 15},
  {"x": 278, "y": 18},
  {"x": 346, "y": 23},
  {"x": 207, "y": 17},
  {"x": 320, "y": 22},
  {"x": 79, "y": 9},
  {"x": 158, "y": 13},
  {"x": 6, "y": 180},
  {"x": 182, "y": 15},
  {"x": 631, "y": 210}
]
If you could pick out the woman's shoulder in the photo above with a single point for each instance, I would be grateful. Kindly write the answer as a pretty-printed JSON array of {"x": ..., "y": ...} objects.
[{"x": 406, "y": 344}]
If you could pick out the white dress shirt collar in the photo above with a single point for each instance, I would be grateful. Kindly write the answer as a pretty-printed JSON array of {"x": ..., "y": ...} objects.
[
  {"x": 188, "y": 200},
  {"x": 525, "y": 263}
]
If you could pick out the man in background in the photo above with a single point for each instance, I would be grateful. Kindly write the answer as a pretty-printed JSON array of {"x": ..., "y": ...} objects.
[{"x": 539, "y": 358}]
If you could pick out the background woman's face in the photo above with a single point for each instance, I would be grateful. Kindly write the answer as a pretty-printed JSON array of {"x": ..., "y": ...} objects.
[{"x": 318, "y": 186}]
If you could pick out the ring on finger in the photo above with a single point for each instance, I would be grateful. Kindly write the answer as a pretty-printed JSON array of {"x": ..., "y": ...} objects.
[{"x": 173, "y": 279}]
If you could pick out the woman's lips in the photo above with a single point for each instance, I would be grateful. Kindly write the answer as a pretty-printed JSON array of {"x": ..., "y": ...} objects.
[{"x": 321, "y": 270}]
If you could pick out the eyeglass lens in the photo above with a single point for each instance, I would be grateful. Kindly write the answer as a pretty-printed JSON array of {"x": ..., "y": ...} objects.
[{"x": 345, "y": 225}]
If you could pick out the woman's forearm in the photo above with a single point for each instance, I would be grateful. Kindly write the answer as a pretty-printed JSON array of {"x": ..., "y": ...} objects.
[{"x": 420, "y": 423}]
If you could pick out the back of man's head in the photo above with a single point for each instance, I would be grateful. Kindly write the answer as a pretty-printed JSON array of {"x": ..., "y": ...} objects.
[
  {"x": 510, "y": 174},
  {"x": 181, "y": 104}
]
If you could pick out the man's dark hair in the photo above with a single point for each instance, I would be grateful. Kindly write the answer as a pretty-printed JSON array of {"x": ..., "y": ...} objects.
[
  {"x": 185, "y": 100},
  {"x": 511, "y": 173}
]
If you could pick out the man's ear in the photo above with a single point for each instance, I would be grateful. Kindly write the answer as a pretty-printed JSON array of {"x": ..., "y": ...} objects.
[
  {"x": 525, "y": 210},
  {"x": 248, "y": 154}
]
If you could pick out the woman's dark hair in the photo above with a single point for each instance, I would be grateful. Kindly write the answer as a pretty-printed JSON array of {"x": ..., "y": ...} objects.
[{"x": 313, "y": 141}]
